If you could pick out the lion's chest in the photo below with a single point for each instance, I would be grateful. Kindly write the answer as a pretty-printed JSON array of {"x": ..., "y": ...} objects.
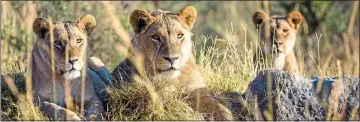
[
  {"x": 64, "y": 90},
  {"x": 185, "y": 82}
]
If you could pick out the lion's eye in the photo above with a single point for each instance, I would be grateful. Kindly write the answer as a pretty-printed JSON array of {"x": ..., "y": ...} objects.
[
  {"x": 285, "y": 30},
  {"x": 155, "y": 37},
  {"x": 57, "y": 42},
  {"x": 79, "y": 40},
  {"x": 179, "y": 36}
]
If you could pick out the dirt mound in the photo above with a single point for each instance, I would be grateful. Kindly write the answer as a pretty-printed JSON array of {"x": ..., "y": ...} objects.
[{"x": 293, "y": 97}]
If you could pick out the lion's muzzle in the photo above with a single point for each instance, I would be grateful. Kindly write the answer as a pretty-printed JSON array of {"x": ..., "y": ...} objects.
[
  {"x": 73, "y": 69},
  {"x": 170, "y": 64}
]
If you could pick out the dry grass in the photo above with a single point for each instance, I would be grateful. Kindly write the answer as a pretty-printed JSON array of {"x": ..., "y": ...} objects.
[{"x": 224, "y": 47}]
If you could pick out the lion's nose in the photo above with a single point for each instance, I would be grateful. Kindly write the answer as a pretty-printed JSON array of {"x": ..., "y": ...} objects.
[
  {"x": 71, "y": 61},
  {"x": 171, "y": 59}
]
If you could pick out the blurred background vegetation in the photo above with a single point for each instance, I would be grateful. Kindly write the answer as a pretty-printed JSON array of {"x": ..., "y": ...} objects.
[
  {"x": 329, "y": 33},
  {"x": 330, "y": 27}
]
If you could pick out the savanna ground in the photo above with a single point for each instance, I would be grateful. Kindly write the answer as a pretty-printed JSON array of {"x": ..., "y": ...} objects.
[{"x": 224, "y": 38}]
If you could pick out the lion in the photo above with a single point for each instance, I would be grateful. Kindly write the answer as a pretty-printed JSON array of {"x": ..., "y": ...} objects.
[
  {"x": 282, "y": 31},
  {"x": 163, "y": 39},
  {"x": 57, "y": 68}
]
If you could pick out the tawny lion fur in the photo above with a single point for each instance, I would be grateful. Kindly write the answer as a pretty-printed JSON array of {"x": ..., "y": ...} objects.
[
  {"x": 72, "y": 38},
  {"x": 282, "y": 32},
  {"x": 163, "y": 39}
]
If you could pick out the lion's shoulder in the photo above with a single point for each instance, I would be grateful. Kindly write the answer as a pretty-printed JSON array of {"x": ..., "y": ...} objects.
[{"x": 124, "y": 72}]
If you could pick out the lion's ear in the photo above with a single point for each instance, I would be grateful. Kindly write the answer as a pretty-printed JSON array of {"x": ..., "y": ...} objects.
[
  {"x": 140, "y": 20},
  {"x": 294, "y": 19},
  {"x": 41, "y": 27},
  {"x": 188, "y": 16},
  {"x": 259, "y": 17},
  {"x": 87, "y": 22}
]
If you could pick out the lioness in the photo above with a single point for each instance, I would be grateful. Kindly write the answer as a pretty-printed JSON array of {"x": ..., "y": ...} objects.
[
  {"x": 283, "y": 31},
  {"x": 52, "y": 89},
  {"x": 164, "y": 40}
]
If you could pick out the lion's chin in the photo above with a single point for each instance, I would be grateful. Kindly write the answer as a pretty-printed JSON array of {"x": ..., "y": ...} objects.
[
  {"x": 279, "y": 61},
  {"x": 72, "y": 74},
  {"x": 168, "y": 74}
]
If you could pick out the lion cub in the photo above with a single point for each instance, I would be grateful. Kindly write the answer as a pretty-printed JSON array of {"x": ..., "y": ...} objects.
[
  {"x": 164, "y": 40},
  {"x": 282, "y": 31},
  {"x": 55, "y": 92}
]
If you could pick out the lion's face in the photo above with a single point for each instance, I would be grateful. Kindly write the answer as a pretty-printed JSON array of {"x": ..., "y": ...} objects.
[
  {"x": 170, "y": 45},
  {"x": 69, "y": 42},
  {"x": 284, "y": 36},
  {"x": 164, "y": 38},
  {"x": 69, "y": 39},
  {"x": 283, "y": 29}
]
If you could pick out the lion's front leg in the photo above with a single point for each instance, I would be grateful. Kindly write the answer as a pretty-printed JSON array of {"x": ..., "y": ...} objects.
[
  {"x": 204, "y": 102},
  {"x": 56, "y": 112},
  {"x": 94, "y": 109}
]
